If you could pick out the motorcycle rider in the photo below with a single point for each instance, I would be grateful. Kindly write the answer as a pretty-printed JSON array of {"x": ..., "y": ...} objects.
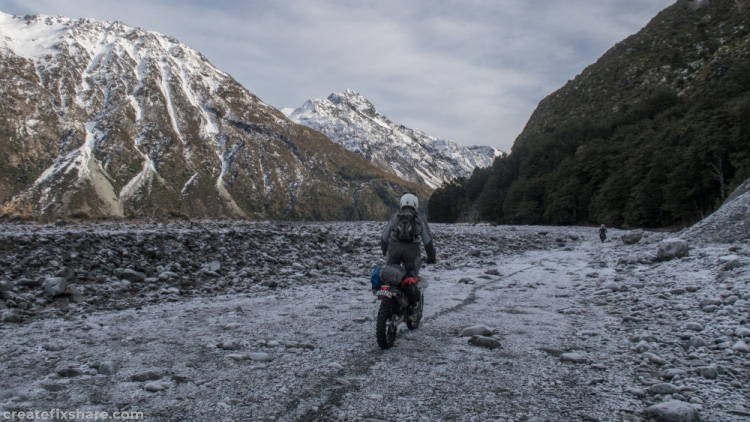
[{"x": 399, "y": 249}]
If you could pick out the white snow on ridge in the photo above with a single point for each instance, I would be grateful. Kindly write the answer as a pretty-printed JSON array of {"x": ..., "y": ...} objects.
[
  {"x": 29, "y": 39},
  {"x": 145, "y": 175},
  {"x": 109, "y": 59},
  {"x": 350, "y": 120},
  {"x": 188, "y": 183},
  {"x": 38, "y": 36}
]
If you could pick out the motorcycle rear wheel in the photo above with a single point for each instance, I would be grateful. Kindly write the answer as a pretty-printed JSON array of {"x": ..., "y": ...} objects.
[
  {"x": 386, "y": 326},
  {"x": 414, "y": 324}
]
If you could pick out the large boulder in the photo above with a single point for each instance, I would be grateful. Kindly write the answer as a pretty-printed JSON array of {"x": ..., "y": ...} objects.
[
  {"x": 632, "y": 237},
  {"x": 133, "y": 275},
  {"x": 55, "y": 286},
  {"x": 673, "y": 411},
  {"x": 672, "y": 248}
]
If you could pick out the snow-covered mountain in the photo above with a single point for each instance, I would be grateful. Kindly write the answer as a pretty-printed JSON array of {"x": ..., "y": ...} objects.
[
  {"x": 102, "y": 119},
  {"x": 350, "y": 120}
]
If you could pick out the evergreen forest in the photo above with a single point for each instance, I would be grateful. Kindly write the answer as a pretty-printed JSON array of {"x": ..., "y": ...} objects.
[{"x": 656, "y": 133}]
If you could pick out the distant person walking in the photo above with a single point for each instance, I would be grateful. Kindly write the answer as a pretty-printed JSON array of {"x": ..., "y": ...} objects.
[{"x": 603, "y": 232}]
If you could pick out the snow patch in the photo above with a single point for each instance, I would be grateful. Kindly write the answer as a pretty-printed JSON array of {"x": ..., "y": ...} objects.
[{"x": 352, "y": 121}]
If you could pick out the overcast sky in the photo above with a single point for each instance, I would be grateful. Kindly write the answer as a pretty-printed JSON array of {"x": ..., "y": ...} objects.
[{"x": 471, "y": 71}]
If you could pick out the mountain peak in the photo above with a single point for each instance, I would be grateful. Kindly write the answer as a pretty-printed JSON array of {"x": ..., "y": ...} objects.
[
  {"x": 347, "y": 95},
  {"x": 353, "y": 100},
  {"x": 350, "y": 120}
]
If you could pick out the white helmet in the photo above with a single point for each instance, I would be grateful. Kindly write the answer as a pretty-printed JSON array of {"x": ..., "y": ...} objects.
[{"x": 409, "y": 200}]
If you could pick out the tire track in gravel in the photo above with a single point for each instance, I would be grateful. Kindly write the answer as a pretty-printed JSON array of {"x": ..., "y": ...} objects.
[
  {"x": 471, "y": 298},
  {"x": 362, "y": 363}
]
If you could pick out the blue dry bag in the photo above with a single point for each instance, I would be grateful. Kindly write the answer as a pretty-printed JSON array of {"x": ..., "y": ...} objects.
[{"x": 375, "y": 278}]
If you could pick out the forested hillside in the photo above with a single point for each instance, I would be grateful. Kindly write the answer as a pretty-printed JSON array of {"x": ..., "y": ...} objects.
[{"x": 656, "y": 133}]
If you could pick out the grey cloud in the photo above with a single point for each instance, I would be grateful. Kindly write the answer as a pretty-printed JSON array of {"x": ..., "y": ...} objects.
[{"x": 470, "y": 71}]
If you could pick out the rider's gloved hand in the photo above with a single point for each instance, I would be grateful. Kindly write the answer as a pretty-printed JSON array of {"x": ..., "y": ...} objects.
[{"x": 429, "y": 248}]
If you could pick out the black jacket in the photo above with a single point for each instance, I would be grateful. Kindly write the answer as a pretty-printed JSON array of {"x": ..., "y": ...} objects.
[{"x": 424, "y": 235}]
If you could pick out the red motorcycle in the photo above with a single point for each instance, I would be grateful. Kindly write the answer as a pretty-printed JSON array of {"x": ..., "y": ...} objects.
[{"x": 395, "y": 308}]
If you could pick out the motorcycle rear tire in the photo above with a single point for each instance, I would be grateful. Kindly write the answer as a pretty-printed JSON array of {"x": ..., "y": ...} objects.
[
  {"x": 385, "y": 331},
  {"x": 413, "y": 325}
]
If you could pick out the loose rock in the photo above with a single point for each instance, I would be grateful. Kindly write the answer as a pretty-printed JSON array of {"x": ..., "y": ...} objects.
[
  {"x": 477, "y": 330},
  {"x": 672, "y": 248},
  {"x": 146, "y": 376},
  {"x": 632, "y": 237},
  {"x": 260, "y": 357},
  {"x": 654, "y": 358},
  {"x": 696, "y": 342},
  {"x": 663, "y": 388},
  {"x": 573, "y": 357},
  {"x": 133, "y": 276},
  {"x": 741, "y": 346},
  {"x": 69, "y": 372},
  {"x": 486, "y": 342},
  {"x": 107, "y": 368},
  {"x": 11, "y": 316},
  {"x": 6, "y": 285},
  {"x": 66, "y": 272},
  {"x": 672, "y": 373},
  {"x": 156, "y": 386},
  {"x": 55, "y": 286},
  {"x": 230, "y": 345},
  {"x": 709, "y": 372},
  {"x": 673, "y": 411}
]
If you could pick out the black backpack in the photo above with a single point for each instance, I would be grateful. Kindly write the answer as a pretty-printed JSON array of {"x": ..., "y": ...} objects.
[{"x": 406, "y": 229}]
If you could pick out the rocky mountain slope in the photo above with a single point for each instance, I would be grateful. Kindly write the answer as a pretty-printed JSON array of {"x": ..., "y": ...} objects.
[
  {"x": 730, "y": 223},
  {"x": 350, "y": 120},
  {"x": 100, "y": 119}
]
